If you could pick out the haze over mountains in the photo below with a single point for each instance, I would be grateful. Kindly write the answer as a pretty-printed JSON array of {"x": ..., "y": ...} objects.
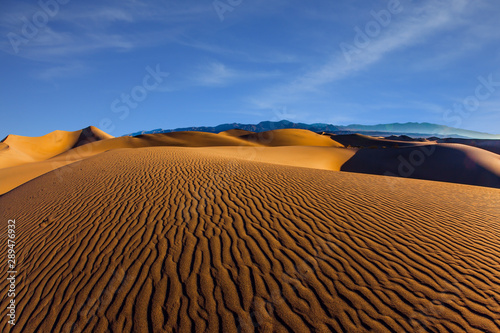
[{"x": 411, "y": 128}]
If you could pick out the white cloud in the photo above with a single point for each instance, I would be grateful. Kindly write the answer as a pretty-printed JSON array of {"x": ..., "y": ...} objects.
[
  {"x": 413, "y": 26},
  {"x": 78, "y": 29},
  {"x": 218, "y": 74},
  {"x": 215, "y": 74},
  {"x": 422, "y": 22},
  {"x": 56, "y": 72}
]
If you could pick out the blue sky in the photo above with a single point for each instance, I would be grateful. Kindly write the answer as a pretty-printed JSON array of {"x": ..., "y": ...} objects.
[{"x": 129, "y": 65}]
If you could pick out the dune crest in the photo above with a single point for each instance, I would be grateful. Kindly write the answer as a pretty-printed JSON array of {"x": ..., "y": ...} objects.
[
  {"x": 24, "y": 149},
  {"x": 236, "y": 132},
  {"x": 291, "y": 137}
]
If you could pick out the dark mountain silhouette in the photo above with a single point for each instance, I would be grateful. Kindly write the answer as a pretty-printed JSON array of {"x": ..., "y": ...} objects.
[{"x": 414, "y": 130}]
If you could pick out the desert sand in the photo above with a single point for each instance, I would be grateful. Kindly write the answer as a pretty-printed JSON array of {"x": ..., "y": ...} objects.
[
  {"x": 17, "y": 150},
  {"x": 245, "y": 232}
]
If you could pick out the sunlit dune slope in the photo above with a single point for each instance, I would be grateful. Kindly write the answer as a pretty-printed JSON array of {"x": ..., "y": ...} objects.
[
  {"x": 177, "y": 239},
  {"x": 325, "y": 158},
  {"x": 291, "y": 137},
  {"x": 18, "y": 150},
  {"x": 453, "y": 163}
]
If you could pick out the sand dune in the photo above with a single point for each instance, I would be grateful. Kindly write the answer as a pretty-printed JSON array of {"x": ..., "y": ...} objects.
[
  {"x": 236, "y": 132},
  {"x": 360, "y": 140},
  {"x": 291, "y": 137},
  {"x": 178, "y": 239},
  {"x": 70, "y": 147},
  {"x": 324, "y": 158},
  {"x": 491, "y": 145},
  {"x": 453, "y": 163},
  {"x": 17, "y": 150}
]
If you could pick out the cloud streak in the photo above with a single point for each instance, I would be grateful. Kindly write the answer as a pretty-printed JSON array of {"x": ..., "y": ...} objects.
[
  {"x": 418, "y": 23},
  {"x": 217, "y": 74}
]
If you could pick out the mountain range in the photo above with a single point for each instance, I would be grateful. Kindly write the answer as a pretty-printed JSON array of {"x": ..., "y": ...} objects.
[{"x": 412, "y": 129}]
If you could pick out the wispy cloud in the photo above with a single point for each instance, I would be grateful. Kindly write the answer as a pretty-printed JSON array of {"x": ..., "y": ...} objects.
[
  {"x": 57, "y": 72},
  {"x": 255, "y": 55},
  {"x": 77, "y": 29},
  {"x": 417, "y": 23},
  {"x": 217, "y": 74}
]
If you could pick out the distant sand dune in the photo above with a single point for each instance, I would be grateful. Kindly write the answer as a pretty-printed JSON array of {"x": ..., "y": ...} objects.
[
  {"x": 291, "y": 137},
  {"x": 23, "y": 149},
  {"x": 491, "y": 145},
  {"x": 180, "y": 239},
  {"x": 360, "y": 140},
  {"x": 446, "y": 162},
  {"x": 324, "y": 158},
  {"x": 236, "y": 132}
]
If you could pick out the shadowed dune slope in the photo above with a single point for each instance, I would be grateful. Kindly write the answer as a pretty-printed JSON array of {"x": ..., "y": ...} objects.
[
  {"x": 164, "y": 239},
  {"x": 23, "y": 149},
  {"x": 491, "y": 145},
  {"x": 236, "y": 132},
  {"x": 360, "y": 140},
  {"x": 291, "y": 137},
  {"x": 91, "y": 134},
  {"x": 454, "y": 163}
]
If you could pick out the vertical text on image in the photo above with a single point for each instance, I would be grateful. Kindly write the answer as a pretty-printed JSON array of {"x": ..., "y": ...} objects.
[{"x": 11, "y": 271}]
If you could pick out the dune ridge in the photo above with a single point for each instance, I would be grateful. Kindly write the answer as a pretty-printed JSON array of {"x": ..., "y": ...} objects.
[
  {"x": 19, "y": 150},
  {"x": 189, "y": 241},
  {"x": 291, "y": 137}
]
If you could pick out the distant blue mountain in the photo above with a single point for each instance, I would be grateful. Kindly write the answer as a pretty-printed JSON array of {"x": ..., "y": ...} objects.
[{"x": 410, "y": 129}]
